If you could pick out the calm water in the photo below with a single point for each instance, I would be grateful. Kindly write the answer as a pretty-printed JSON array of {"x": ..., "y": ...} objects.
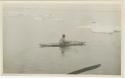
[{"x": 26, "y": 27}]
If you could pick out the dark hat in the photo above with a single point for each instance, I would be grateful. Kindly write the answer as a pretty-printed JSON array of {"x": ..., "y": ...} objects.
[{"x": 63, "y": 35}]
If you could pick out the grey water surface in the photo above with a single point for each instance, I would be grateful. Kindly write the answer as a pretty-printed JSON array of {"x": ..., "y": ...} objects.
[{"x": 25, "y": 27}]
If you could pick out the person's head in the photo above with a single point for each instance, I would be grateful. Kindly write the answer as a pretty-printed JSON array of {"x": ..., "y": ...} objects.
[{"x": 63, "y": 35}]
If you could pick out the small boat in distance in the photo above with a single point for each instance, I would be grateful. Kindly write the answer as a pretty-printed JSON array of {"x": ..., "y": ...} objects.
[{"x": 63, "y": 44}]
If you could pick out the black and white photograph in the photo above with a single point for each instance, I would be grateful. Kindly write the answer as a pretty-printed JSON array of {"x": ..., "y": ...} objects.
[{"x": 62, "y": 37}]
